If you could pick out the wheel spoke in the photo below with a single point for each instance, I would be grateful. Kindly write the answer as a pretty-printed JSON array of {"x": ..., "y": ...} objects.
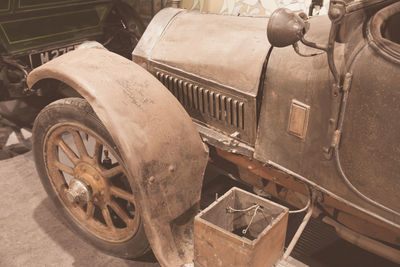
[
  {"x": 107, "y": 218},
  {"x": 64, "y": 168},
  {"x": 122, "y": 194},
  {"x": 110, "y": 212},
  {"x": 120, "y": 212},
  {"x": 90, "y": 210},
  {"x": 112, "y": 172},
  {"x": 68, "y": 151},
  {"x": 98, "y": 150},
  {"x": 79, "y": 144}
]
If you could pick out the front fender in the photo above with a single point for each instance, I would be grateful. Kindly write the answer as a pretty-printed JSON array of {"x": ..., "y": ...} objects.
[{"x": 159, "y": 144}]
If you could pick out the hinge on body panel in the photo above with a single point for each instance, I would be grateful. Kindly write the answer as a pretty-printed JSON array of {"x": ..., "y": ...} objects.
[{"x": 335, "y": 137}]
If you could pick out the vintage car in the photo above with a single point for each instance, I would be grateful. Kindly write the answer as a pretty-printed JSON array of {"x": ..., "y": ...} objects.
[
  {"x": 35, "y": 31},
  {"x": 304, "y": 109}
]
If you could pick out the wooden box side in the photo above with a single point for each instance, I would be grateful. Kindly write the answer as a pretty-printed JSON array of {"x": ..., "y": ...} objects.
[
  {"x": 215, "y": 246},
  {"x": 269, "y": 248}
]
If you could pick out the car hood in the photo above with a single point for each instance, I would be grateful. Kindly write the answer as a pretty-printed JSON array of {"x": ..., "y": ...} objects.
[{"x": 227, "y": 50}]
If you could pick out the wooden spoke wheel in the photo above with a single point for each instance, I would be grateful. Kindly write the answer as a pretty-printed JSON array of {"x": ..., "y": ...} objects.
[{"x": 81, "y": 170}]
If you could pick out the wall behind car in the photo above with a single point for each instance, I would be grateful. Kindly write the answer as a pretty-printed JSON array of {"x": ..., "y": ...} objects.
[{"x": 249, "y": 7}]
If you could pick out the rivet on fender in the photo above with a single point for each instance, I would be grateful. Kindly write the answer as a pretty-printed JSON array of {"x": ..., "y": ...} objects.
[
  {"x": 152, "y": 179},
  {"x": 171, "y": 168}
]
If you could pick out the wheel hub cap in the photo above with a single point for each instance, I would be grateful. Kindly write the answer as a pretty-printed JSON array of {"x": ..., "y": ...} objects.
[{"x": 78, "y": 192}]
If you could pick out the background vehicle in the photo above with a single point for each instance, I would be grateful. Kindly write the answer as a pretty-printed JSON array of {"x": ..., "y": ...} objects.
[
  {"x": 34, "y": 32},
  {"x": 314, "y": 136}
]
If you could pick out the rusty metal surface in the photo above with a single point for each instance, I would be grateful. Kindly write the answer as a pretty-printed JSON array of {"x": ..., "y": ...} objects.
[
  {"x": 292, "y": 190},
  {"x": 370, "y": 151},
  {"x": 371, "y": 163},
  {"x": 366, "y": 243},
  {"x": 145, "y": 121},
  {"x": 211, "y": 104},
  {"x": 232, "y": 54},
  {"x": 152, "y": 34},
  {"x": 216, "y": 80},
  {"x": 91, "y": 185},
  {"x": 312, "y": 85},
  {"x": 224, "y": 142},
  {"x": 346, "y": 87},
  {"x": 383, "y": 34}
]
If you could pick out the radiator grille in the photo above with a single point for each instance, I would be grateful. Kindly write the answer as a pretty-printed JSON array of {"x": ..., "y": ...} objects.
[{"x": 208, "y": 102}]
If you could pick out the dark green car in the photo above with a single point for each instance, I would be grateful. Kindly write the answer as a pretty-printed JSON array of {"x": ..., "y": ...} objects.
[{"x": 33, "y": 32}]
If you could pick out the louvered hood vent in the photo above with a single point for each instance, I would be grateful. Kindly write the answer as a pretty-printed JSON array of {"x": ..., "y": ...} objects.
[{"x": 207, "y": 102}]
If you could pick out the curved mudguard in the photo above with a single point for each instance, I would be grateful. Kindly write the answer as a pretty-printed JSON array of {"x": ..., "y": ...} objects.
[{"x": 159, "y": 144}]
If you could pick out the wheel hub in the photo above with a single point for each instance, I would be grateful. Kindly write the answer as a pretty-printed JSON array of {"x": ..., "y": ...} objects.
[
  {"x": 87, "y": 185},
  {"x": 78, "y": 192}
]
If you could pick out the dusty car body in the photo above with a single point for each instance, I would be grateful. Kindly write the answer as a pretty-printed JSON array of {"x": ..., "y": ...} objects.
[
  {"x": 34, "y": 32},
  {"x": 315, "y": 123}
]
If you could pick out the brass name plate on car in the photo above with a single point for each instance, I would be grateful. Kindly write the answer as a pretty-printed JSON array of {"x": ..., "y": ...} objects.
[{"x": 298, "y": 119}]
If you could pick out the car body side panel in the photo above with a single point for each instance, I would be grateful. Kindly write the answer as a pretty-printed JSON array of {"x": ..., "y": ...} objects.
[
  {"x": 306, "y": 80},
  {"x": 370, "y": 147},
  {"x": 145, "y": 122},
  {"x": 292, "y": 80}
]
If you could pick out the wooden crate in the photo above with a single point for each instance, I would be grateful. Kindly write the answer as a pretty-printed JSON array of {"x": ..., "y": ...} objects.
[{"x": 218, "y": 231}]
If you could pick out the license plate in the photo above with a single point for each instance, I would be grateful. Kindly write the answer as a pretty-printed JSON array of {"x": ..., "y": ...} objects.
[{"x": 38, "y": 59}]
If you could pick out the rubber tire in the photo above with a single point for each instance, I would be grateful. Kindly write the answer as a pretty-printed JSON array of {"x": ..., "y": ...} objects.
[{"x": 79, "y": 111}]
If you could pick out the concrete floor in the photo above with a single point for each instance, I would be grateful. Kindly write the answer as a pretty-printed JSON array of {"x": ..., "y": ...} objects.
[{"x": 31, "y": 234}]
